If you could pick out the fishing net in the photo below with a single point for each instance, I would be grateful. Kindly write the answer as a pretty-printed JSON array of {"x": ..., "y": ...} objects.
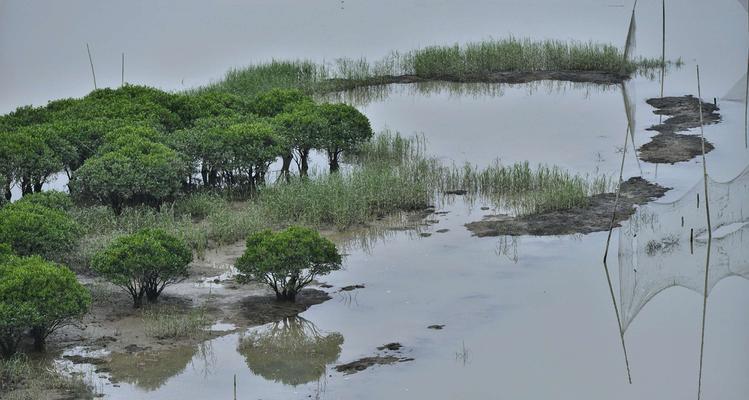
[
  {"x": 655, "y": 252},
  {"x": 629, "y": 46}
]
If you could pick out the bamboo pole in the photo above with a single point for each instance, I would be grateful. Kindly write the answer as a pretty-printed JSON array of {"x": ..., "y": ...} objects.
[
  {"x": 91, "y": 61},
  {"x": 618, "y": 321},
  {"x": 709, "y": 237},
  {"x": 122, "y": 81}
]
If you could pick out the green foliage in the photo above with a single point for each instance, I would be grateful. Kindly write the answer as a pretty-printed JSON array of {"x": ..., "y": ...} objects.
[
  {"x": 139, "y": 172},
  {"x": 30, "y": 228},
  {"x": 28, "y": 156},
  {"x": 346, "y": 130},
  {"x": 168, "y": 322},
  {"x": 250, "y": 81},
  {"x": 276, "y": 101},
  {"x": 39, "y": 297},
  {"x": 288, "y": 260},
  {"x": 251, "y": 148},
  {"x": 144, "y": 263},
  {"x": 304, "y": 127},
  {"x": 53, "y": 199}
]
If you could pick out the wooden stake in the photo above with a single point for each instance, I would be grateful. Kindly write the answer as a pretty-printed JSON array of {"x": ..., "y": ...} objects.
[
  {"x": 122, "y": 82},
  {"x": 91, "y": 61}
]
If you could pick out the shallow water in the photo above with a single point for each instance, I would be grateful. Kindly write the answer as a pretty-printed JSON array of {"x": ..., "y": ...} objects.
[{"x": 525, "y": 317}]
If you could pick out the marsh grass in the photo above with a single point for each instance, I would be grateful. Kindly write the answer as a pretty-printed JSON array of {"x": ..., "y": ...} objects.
[
  {"x": 523, "y": 190},
  {"x": 389, "y": 175},
  {"x": 24, "y": 379},
  {"x": 170, "y": 322},
  {"x": 467, "y": 62}
]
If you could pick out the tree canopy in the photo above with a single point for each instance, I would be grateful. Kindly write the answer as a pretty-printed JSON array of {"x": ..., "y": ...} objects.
[
  {"x": 288, "y": 260},
  {"x": 31, "y": 228},
  {"x": 37, "y": 297},
  {"x": 144, "y": 263}
]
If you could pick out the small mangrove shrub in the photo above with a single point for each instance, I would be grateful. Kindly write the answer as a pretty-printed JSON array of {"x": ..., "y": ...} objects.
[
  {"x": 144, "y": 263},
  {"x": 288, "y": 260}
]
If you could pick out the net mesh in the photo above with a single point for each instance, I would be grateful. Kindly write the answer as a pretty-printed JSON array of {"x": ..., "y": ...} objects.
[{"x": 655, "y": 251}]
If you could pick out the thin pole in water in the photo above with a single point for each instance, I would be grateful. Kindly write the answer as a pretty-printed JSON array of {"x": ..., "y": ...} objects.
[
  {"x": 709, "y": 237},
  {"x": 91, "y": 61},
  {"x": 746, "y": 105},
  {"x": 235, "y": 386},
  {"x": 122, "y": 82},
  {"x": 618, "y": 321},
  {"x": 663, "y": 54}
]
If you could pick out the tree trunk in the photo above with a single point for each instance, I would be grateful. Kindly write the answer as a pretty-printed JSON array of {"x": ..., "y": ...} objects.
[
  {"x": 137, "y": 300},
  {"x": 38, "y": 333},
  {"x": 304, "y": 157},
  {"x": 38, "y": 187},
  {"x": 289, "y": 295},
  {"x": 285, "y": 168},
  {"x": 333, "y": 161},
  {"x": 7, "y": 190}
]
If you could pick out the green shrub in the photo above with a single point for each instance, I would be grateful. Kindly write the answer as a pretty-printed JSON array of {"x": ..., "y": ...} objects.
[
  {"x": 346, "y": 130},
  {"x": 144, "y": 263},
  {"x": 276, "y": 101},
  {"x": 34, "y": 229},
  {"x": 39, "y": 297},
  {"x": 141, "y": 172},
  {"x": 287, "y": 261},
  {"x": 53, "y": 199}
]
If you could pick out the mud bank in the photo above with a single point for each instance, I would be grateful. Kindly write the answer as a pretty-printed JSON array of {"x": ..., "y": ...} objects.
[
  {"x": 668, "y": 146},
  {"x": 391, "y": 355},
  {"x": 596, "y": 77},
  {"x": 594, "y": 217}
]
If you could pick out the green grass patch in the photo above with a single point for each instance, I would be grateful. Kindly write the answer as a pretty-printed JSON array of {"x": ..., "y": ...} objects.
[
  {"x": 170, "y": 322},
  {"x": 471, "y": 61},
  {"x": 25, "y": 379}
]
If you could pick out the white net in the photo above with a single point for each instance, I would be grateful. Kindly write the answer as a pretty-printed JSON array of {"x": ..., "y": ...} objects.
[{"x": 655, "y": 251}]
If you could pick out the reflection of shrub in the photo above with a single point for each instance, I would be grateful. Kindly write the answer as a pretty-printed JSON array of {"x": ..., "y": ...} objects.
[
  {"x": 291, "y": 351},
  {"x": 149, "y": 370}
]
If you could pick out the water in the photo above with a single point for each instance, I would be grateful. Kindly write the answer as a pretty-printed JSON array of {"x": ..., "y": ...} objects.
[{"x": 526, "y": 317}]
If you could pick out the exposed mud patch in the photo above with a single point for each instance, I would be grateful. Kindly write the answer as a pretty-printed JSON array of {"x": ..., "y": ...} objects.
[
  {"x": 594, "y": 217},
  {"x": 366, "y": 362},
  {"x": 260, "y": 310},
  {"x": 670, "y": 147},
  {"x": 351, "y": 287}
]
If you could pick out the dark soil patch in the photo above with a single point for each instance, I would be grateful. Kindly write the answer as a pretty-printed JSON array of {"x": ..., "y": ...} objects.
[
  {"x": 260, "y": 310},
  {"x": 594, "y": 217},
  {"x": 684, "y": 113},
  {"x": 445, "y": 230},
  {"x": 395, "y": 346},
  {"x": 436, "y": 327},
  {"x": 457, "y": 192},
  {"x": 77, "y": 359},
  {"x": 351, "y": 287},
  {"x": 670, "y": 148},
  {"x": 425, "y": 234},
  {"x": 366, "y": 362}
]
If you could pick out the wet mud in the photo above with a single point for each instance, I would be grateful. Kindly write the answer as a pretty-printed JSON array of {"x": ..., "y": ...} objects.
[
  {"x": 669, "y": 146},
  {"x": 594, "y": 217},
  {"x": 390, "y": 356}
]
